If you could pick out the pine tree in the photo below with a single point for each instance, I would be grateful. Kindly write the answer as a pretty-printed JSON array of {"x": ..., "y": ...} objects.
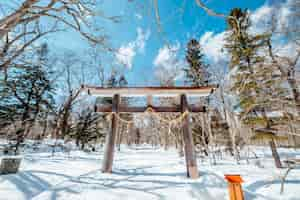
[
  {"x": 197, "y": 71},
  {"x": 122, "y": 81},
  {"x": 197, "y": 75},
  {"x": 243, "y": 49},
  {"x": 255, "y": 80},
  {"x": 112, "y": 81}
]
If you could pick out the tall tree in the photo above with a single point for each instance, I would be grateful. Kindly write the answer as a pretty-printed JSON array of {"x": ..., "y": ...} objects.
[
  {"x": 69, "y": 80},
  {"x": 255, "y": 81},
  {"x": 28, "y": 91},
  {"x": 289, "y": 33},
  {"x": 197, "y": 71},
  {"x": 197, "y": 75}
]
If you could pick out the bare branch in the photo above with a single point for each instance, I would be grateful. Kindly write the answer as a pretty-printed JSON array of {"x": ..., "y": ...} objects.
[{"x": 210, "y": 11}]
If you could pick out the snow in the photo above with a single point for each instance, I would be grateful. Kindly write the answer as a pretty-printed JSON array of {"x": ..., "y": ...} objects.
[{"x": 143, "y": 173}]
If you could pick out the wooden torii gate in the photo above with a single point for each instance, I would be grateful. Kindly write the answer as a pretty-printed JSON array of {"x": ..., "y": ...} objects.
[{"x": 149, "y": 92}]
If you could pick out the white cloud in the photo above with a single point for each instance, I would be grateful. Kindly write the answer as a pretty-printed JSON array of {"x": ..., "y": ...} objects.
[
  {"x": 279, "y": 16},
  {"x": 126, "y": 53},
  {"x": 284, "y": 15},
  {"x": 168, "y": 68},
  {"x": 288, "y": 50},
  {"x": 141, "y": 39},
  {"x": 262, "y": 13},
  {"x": 138, "y": 16},
  {"x": 262, "y": 17},
  {"x": 167, "y": 56},
  {"x": 212, "y": 46}
]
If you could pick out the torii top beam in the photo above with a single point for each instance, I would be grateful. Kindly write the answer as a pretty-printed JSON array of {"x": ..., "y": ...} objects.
[{"x": 201, "y": 91}]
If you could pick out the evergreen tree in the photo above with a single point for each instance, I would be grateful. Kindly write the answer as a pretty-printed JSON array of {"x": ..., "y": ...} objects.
[
  {"x": 196, "y": 73},
  {"x": 112, "y": 81},
  {"x": 247, "y": 63},
  {"x": 122, "y": 81},
  {"x": 25, "y": 93},
  {"x": 255, "y": 81},
  {"x": 88, "y": 129}
]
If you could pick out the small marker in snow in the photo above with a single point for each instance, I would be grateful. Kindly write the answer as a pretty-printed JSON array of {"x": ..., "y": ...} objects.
[{"x": 234, "y": 186}]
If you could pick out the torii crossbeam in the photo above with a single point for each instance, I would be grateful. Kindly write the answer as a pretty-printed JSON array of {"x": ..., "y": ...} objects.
[{"x": 149, "y": 92}]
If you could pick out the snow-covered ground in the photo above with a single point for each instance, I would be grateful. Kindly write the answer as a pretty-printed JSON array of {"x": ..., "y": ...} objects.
[{"x": 143, "y": 173}]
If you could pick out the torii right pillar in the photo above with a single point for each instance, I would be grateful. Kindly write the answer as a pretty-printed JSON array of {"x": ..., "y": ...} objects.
[{"x": 190, "y": 156}]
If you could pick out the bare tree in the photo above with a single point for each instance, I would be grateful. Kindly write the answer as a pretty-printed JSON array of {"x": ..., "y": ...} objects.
[
  {"x": 73, "y": 14},
  {"x": 33, "y": 20},
  {"x": 288, "y": 64},
  {"x": 70, "y": 81}
]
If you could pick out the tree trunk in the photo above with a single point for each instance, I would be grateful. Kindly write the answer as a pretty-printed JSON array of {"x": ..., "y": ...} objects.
[
  {"x": 166, "y": 138},
  {"x": 296, "y": 94},
  {"x": 45, "y": 127},
  {"x": 82, "y": 145},
  {"x": 275, "y": 154},
  {"x": 232, "y": 130},
  {"x": 119, "y": 138}
]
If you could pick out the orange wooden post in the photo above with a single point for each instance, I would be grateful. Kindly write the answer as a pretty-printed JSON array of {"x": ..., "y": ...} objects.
[{"x": 234, "y": 187}]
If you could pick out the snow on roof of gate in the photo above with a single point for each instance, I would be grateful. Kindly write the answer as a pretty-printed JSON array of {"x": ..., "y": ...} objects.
[{"x": 201, "y": 91}]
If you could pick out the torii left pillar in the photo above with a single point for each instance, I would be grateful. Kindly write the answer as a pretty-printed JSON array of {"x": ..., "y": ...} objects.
[
  {"x": 190, "y": 156},
  {"x": 111, "y": 137}
]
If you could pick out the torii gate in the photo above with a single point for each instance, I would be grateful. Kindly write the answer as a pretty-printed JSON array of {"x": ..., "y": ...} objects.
[{"x": 149, "y": 92}]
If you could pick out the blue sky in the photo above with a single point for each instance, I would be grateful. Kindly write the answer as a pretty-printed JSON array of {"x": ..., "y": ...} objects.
[{"x": 181, "y": 20}]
